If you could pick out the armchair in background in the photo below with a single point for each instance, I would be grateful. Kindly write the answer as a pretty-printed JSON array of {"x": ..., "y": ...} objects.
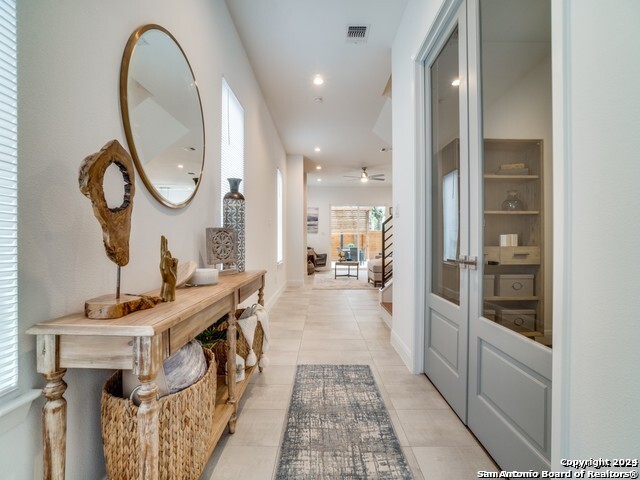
[{"x": 317, "y": 259}]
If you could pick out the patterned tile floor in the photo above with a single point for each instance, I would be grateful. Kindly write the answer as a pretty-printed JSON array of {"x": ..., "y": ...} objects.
[{"x": 343, "y": 327}]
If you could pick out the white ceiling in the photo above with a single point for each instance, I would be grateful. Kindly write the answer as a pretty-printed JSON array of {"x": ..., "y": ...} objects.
[{"x": 290, "y": 41}]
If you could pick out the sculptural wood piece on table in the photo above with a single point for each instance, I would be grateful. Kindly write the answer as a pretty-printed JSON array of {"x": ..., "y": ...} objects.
[
  {"x": 169, "y": 272},
  {"x": 222, "y": 247},
  {"x": 116, "y": 226}
]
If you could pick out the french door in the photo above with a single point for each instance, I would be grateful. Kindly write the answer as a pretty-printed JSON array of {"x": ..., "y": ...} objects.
[{"x": 487, "y": 321}]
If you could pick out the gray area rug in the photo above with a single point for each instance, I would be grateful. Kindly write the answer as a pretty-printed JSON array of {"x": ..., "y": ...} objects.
[{"x": 338, "y": 428}]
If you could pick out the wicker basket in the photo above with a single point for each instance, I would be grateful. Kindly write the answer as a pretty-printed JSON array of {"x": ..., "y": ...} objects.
[
  {"x": 242, "y": 346},
  {"x": 185, "y": 428}
]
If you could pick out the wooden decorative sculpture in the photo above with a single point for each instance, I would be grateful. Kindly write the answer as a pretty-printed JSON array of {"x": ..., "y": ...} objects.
[
  {"x": 169, "y": 272},
  {"x": 222, "y": 247},
  {"x": 116, "y": 226},
  {"x": 115, "y": 222}
]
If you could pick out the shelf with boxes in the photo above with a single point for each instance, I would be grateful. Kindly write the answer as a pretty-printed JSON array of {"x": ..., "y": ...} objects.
[{"x": 513, "y": 287}]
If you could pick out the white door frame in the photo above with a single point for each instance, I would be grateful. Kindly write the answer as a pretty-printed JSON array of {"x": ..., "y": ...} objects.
[{"x": 445, "y": 15}]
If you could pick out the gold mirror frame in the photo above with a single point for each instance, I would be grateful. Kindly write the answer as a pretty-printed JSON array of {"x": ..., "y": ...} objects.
[{"x": 124, "y": 107}]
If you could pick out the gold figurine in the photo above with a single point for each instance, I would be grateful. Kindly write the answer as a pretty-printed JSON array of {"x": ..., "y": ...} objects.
[{"x": 169, "y": 271}]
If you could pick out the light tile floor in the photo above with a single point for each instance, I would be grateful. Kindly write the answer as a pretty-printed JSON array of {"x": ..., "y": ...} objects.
[{"x": 343, "y": 327}]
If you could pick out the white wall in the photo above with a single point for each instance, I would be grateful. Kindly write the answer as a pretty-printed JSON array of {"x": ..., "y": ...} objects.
[
  {"x": 295, "y": 251},
  {"x": 325, "y": 197},
  {"x": 415, "y": 25},
  {"x": 69, "y": 63},
  {"x": 597, "y": 230}
]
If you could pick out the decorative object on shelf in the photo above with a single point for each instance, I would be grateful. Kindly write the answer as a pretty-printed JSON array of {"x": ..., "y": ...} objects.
[
  {"x": 215, "y": 339},
  {"x": 233, "y": 217},
  {"x": 116, "y": 227},
  {"x": 203, "y": 276},
  {"x": 513, "y": 169},
  {"x": 177, "y": 459},
  {"x": 186, "y": 271},
  {"x": 509, "y": 240},
  {"x": 512, "y": 202},
  {"x": 222, "y": 247},
  {"x": 168, "y": 270},
  {"x": 248, "y": 322}
]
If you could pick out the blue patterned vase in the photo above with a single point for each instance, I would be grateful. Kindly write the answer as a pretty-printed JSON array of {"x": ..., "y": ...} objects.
[{"x": 233, "y": 216}]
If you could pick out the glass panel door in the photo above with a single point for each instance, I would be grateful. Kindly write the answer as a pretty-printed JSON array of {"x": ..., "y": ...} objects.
[
  {"x": 445, "y": 168},
  {"x": 447, "y": 313},
  {"x": 516, "y": 124}
]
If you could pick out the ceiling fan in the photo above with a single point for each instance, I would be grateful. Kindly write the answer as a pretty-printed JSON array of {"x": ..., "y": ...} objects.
[{"x": 365, "y": 177}]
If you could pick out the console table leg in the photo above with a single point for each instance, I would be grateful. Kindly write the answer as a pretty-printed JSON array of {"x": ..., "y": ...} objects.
[
  {"x": 54, "y": 426},
  {"x": 148, "y": 355},
  {"x": 261, "y": 295},
  {"x": 148, "y": 437}
]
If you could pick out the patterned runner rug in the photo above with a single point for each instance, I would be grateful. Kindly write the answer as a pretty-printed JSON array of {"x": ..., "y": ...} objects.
[{"x": 338, "y": 428}]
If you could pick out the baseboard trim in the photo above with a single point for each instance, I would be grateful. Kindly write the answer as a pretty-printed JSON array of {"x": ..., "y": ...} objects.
[
  {"x": 403, "y": 350},
  {"x": 274, "y": 298},
  {"x": 295, "y": 283}
]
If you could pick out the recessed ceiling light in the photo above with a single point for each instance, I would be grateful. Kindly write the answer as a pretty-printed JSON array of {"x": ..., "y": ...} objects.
[
  {"x": 318, "y": 80},
  {"x": 319, "y": 179},
  {"x": 318, "y": 167},
  {"x": 456, "y": 82},
  {"x": 180, "y": 166},
  {"x": 317, "y": 149}
]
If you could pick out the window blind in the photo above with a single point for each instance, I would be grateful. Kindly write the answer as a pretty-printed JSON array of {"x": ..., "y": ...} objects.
[
  {"x": 350, "y": 220},
  {"x": 232, "y": 141},
  {"x": 8, "y": 198},
  {"x": 280, "y": 216}
]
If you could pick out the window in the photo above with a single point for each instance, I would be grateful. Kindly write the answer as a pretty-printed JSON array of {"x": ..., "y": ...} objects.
[
  {"x": 280, "y": 216},
  {"x": 232, "y": 142},
  {"x": 8, "y": 199}
]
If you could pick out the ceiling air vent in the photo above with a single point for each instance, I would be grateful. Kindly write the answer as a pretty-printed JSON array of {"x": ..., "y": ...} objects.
[{"x": 357, "y": 33}]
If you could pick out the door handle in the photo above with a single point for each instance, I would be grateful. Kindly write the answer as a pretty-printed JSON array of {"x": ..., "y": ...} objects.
[{"x": 464, "y": 261}]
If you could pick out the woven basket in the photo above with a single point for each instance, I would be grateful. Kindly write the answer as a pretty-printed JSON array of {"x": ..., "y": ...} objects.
[
  {"x": 242, "y": 346},
  {"x": 185, "y": 427}
]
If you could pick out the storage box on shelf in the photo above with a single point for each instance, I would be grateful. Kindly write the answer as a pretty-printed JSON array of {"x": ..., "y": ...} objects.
[{"x": 515, "y": 165}]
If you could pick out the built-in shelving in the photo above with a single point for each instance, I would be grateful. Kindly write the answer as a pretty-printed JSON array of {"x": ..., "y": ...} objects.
[{"x": 526, "y": 257}]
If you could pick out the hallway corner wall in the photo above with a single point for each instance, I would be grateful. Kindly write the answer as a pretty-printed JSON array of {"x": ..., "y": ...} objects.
[{"x": 417, "y": 20}]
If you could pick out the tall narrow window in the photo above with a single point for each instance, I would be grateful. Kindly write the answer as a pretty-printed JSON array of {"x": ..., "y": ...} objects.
[
  {"x": 8, "y": 198},
  {"x": 280, "y": 216},
  {"x": 232, "y": 149}
]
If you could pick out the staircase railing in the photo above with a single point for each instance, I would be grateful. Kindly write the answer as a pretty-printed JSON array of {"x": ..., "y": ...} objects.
[{"x": 387, "y": 250}]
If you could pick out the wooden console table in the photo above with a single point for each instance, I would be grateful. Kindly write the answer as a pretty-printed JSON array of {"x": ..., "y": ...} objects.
[{"x": 139, "y": 341}]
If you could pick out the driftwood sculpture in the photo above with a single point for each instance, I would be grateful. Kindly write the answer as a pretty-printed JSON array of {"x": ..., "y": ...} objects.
[
  {"x": 115, "y": 222},
  {"x": 116, "y": 226},
  {"x": 169, "y": 272}
]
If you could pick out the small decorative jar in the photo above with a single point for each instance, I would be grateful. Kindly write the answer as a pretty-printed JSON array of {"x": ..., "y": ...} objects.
[{"x": 512, "y": 202}]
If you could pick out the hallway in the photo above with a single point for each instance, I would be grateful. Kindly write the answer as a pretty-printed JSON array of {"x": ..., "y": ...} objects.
[{"x": 312, "y": 326}]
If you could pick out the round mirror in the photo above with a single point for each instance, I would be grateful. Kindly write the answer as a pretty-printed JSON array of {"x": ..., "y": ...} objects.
[{"x": 162, "y": 115}]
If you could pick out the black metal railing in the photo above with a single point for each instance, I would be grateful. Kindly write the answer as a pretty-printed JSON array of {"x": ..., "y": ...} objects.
[{"x": 387, "y": 250}]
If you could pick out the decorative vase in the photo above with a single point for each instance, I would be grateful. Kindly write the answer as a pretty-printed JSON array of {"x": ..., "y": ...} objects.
[
  {"x": 512, "y": 202},
  {"x": 233, "y": 216}
]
